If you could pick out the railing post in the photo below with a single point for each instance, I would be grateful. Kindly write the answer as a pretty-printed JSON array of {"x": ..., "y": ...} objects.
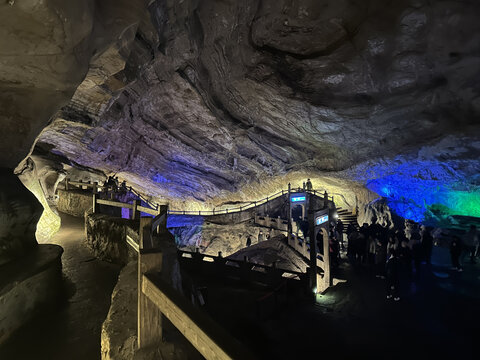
[
  {"x": 149, "y": 317},
  {"x": 94, "y": 203},
  {"x": 135, "y": 214}
]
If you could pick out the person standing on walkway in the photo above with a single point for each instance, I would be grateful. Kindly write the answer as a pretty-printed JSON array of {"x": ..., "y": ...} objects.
[
  {"x": 340, "y": 229},
  {"x": 470, "y": 241},
  {"x": 427, "y": 244},
  {"x": 455, "y": 251},
  {"x": 393, "y": 277},
  {"x": 260, "y": 236},
  {"x": 249, "y": 241},
  {"x": 308, "y": 185},
  {"x": 380, "y": 259}
]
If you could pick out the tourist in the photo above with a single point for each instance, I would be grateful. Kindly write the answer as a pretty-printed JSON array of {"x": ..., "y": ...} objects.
[
  {"x": 393, "y": 277},
  {"x": 260, "y": 236},
  {"x": 372, "y": 249},
  {"x": 417, "y": 254},
  {"x": 405, "y": 261},
  {"x": 334, "y": 251},
  {"x": 380, "y": 258},
  {"x": 308, "y": 185},
  {"x": 340, "y": 229},
  {"x": 427, "y": 244},
  {"x": 470, "y": 241},
  {"x": 455, "y": 251},
  {"x": 392, "y": 244},
  {"x": 249, "y": 240},
  {"x": 360, "y": 248},
  {"x": 351, "y": 244}
]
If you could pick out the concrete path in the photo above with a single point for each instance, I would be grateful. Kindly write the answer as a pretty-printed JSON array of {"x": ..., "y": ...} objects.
[{"x": 73, "y": 330}]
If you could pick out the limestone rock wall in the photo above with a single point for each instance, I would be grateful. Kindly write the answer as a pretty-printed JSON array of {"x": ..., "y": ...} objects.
[
  {"x": 119, "y": 330},
  {"x": 106, "y": 237},
  {"x": 29, "y": 286},
  {"x": 74, "y": 202},
  {"x": 19, "y": 214},
  {"x": 232, "y": 95}
]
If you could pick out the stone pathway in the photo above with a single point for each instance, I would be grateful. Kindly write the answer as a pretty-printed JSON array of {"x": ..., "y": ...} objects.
[{"x": 72, "y": 332}]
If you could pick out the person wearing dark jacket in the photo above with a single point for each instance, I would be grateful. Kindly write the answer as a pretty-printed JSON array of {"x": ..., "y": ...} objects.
[
  {"x": 380, "y": 259},
  {"x": 427, "y": 244},
  {"x": 455, "y": 252},
  {"x": 417, "y": 252},
  {"x": 249, "y": 241},
  {"x": 393, "y": 276}
]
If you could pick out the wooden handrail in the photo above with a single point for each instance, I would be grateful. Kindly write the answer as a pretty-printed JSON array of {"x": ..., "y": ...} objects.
[
  {"x": 210, "y": 339},
  {"x": 152, "y": 210}
]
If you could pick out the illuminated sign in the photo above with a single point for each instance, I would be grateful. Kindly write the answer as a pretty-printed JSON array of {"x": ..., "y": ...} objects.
[
  {"x": 321, "y": 219},
  {"x": 298, "y": 198}
]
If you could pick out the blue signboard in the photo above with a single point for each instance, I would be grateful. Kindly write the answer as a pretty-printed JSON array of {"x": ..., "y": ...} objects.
[
  {"x": 298, "y": 198},
  {"x": 321, "y": 219}
]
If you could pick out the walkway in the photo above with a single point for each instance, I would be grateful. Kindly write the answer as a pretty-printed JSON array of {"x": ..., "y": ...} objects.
[{"x": 72, "y": 332}]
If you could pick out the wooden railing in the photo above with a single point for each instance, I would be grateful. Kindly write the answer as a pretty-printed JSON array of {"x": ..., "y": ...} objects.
[
  {"x": 154, "y": 206},
  {"x": 158, "y": 299}
]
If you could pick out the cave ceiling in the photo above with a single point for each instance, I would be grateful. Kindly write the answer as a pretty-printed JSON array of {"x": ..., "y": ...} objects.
[{"x": 198, "y": 99}]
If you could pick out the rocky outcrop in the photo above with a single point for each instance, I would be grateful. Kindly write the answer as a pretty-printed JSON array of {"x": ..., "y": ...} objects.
[
  {"x": 106, "y": 237},
  {"x": 47, "y": 47},
  {"x": 19, "y": 214},
  {"x": 235, "y": 94},
  {"x": 28, "y": 287},
  {"x": 74, "y": 202},
  {"x": 212, "y": 238},
  {"x": 273, "y": 251},
  {"x": 119, "y": 330}
]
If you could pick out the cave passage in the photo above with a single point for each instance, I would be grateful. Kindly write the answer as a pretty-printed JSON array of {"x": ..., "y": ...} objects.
[{"x": 72, "y": 329}]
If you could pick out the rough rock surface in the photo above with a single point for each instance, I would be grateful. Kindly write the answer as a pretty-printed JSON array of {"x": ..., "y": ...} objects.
[
  {"x": 212, "y": 238},
  {"x": 19, "y": 214},
  {"x": 215, "y": 101},
  {"x": 46, "y": 48},
  {"x": 28, "y": 286},
  {"x": 106, "y": 237},
  {"x": 232, "y": 93},
  {"x": 74, "y": 202},
  {"x": 273, "y": 250},
  {"x": 119, "y": 330}
]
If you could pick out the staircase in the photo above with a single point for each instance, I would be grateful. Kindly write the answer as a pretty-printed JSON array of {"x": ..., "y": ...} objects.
[{"x": 347, "y": 218}]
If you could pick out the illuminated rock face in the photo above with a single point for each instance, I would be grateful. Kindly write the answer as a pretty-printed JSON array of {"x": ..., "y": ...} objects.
[{"x": 231, "y": 94}]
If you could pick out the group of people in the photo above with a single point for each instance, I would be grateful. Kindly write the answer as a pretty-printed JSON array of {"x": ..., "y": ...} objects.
[
  {"x": 113, "y": 184},
  {"x": 392, "y": 255}
]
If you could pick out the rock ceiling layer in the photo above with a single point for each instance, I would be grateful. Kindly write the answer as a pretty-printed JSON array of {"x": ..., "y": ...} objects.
[{"x": 201, "y": 98}]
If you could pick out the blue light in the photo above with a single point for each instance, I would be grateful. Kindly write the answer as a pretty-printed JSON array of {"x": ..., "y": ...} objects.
[
  {"x": 160, "y": 179},
  {"x": 425, "y": 191},
  {"x": 321, "y": 219},
  {"x": 298, "y": 198}
]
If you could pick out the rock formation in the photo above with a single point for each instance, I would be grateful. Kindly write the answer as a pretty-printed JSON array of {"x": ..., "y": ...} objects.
[
  {"x": 227, "y": 95},
  {"x": 203, "y": 102}
]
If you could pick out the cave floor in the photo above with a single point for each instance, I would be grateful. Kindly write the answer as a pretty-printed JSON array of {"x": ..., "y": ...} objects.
[
  {"x": 72, "y": 331},
  {"x": 437, "y": 316}
]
